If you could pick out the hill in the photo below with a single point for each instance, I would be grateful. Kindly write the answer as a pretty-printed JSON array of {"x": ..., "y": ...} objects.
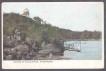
[{"x": 32, "y": 28}]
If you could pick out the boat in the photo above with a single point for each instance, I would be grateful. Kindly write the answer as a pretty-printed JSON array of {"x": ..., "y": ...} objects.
[
  {"x": 78, "y": 49},
  {"x": 73, "y": 49}
]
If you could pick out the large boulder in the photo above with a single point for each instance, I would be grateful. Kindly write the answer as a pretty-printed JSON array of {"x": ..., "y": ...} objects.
[
  {"x": 22, "y": 48},
  {"x": 50, "y": 48},
  {"x": 45, "y": 51},
  {"x": 13, "y": 51},
  {"x": 19, "y": 53},
  {"x": 19, "y": 43},
  {"x": 9, "y": 57}
]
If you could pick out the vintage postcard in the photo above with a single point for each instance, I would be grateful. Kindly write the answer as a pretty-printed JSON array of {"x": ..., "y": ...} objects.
[{"x": 52, "y": 35}]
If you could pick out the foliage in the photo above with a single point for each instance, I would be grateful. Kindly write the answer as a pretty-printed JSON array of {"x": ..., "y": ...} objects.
[{"x": 42, "y": 32}]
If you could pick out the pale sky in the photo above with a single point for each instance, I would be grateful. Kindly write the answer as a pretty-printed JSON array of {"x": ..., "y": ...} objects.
[{"x": 76, "y": 16}]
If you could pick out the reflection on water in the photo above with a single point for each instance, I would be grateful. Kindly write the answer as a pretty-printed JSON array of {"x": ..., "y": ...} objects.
[{"x": 90, "y": 50}]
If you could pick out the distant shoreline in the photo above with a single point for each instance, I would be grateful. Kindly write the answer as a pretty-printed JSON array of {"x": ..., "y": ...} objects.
[{"x": 83, "y": 40}]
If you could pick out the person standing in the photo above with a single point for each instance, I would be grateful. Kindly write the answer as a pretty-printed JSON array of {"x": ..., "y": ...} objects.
[{"x": 50, "y": 55}]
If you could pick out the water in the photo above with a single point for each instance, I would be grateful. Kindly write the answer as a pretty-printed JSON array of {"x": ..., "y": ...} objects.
[{"x": 92, "y": 50}]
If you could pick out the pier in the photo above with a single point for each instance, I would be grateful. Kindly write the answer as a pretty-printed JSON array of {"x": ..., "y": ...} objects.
[{"x": 71, "y": 47}]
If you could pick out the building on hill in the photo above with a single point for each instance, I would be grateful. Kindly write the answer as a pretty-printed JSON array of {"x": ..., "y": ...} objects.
[{"x": 26, "y": 12}]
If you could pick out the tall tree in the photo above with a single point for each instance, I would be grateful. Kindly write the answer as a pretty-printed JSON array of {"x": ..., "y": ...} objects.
[{"x": 37, "y": 20}]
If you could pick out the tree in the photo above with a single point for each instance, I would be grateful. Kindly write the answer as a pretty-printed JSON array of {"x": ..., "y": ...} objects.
[
  {"x": 37, "y": 20},
  {"x": 45, "y": 36}
]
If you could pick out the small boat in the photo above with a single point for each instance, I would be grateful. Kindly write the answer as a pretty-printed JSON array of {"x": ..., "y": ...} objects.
[
  {"x": 79, "y": 48},
  {"x": 73, "y": 49}
]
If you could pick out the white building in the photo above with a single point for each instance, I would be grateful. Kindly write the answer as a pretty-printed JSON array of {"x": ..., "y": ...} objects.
[{"x": 26, "y": 12}]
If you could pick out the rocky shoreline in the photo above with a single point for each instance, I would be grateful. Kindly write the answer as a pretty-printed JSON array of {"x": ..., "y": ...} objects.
[{"x": 14, "y": 48}]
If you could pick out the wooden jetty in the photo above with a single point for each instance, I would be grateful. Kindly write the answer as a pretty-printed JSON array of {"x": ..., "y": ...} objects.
[{"x": 69, "y": 48}]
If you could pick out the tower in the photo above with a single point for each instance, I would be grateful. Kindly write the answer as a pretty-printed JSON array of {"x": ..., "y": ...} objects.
[{"x": 26, "y": 12}]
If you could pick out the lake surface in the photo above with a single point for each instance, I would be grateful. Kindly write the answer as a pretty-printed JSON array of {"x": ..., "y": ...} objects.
[{"x": 92, "y": 50}]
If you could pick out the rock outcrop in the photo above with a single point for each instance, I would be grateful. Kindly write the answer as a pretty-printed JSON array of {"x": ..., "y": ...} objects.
[
  {"x": 14, "y": 48},
  {"x": 49, "y": 48},
  {"x": 22, "y": 48}
]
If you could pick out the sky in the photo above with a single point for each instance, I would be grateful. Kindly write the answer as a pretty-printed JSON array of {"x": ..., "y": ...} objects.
[{"x": 75, "y": 16}]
